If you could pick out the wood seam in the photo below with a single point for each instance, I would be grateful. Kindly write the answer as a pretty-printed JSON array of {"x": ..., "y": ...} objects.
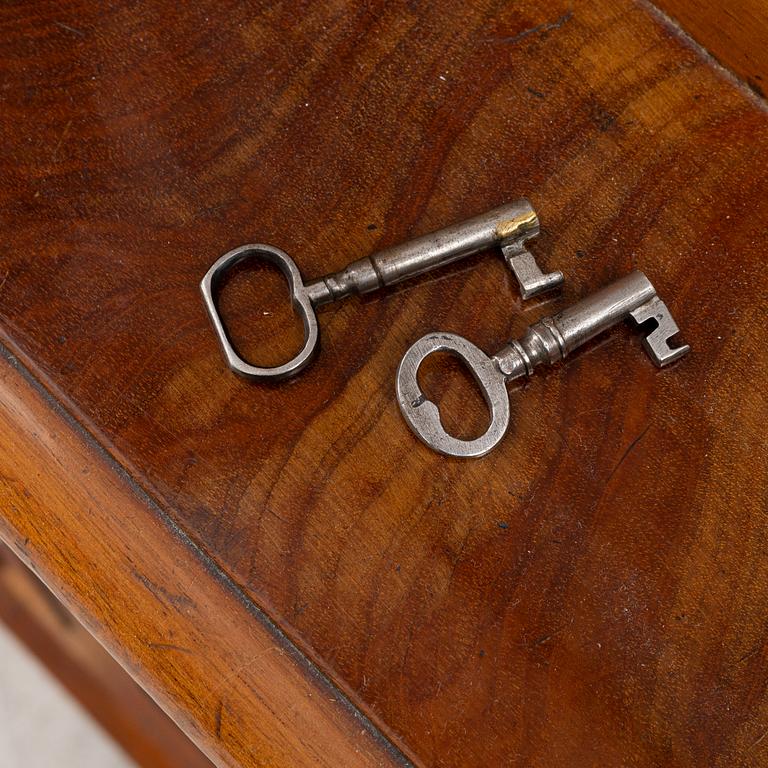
[{"x": 725, "y": 71}]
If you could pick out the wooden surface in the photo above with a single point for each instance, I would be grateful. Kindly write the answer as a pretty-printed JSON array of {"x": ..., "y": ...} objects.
[
  {"x": 103, "y": 687},
  {"x": 594, "y": 591},
  {"x": 197, "y": 644}
]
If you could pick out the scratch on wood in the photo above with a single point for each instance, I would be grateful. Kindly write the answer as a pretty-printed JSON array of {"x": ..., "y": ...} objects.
[
  {"x": 61, "y": 140},
  {"x": 219, "y": 711},
  {"x": 246, "y": 665},
  {"x": 168, "y": 647},
  {"x": 759, "y": 739},
  {"x": 749, "y": 654},
  {"x": 209, "y": 211},
  {"x": 631, "y": 447},
  {"x": 538, "y": 29},
  {"x": 162, "y": 594},
  {"x": 62, "y": 25},
  {"x": 547, "y": 638}
]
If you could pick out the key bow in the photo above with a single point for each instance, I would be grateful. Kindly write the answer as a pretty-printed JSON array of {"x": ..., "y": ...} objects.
[{"x": 299, "y": 297}]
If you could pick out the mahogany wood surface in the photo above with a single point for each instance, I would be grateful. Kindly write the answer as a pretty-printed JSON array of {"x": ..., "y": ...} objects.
[
  {"x": 98, "y": 682},
  {"x": 591, "y": 593}
]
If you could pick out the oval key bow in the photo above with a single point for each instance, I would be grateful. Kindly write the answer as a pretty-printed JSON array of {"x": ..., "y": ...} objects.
[{"x": 299, "y": 298}]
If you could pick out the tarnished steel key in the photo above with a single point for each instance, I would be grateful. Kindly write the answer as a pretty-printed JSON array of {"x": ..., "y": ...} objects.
[
  {"x": 547, "y": 341},
  {"x": 507, "y": 227}
]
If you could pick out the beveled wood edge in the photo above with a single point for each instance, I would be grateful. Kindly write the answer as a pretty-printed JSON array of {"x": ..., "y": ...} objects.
[{"x": 156, "y": 601}]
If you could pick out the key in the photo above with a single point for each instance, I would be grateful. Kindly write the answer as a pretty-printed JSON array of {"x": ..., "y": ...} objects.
[
  {"x": 509, "y": 227},
  {"x": 547, "y": 341}
]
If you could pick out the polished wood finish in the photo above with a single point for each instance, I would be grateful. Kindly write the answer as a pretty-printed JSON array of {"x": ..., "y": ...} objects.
[
  {"x": 157, "y": 603},
  {"x": 98, "y": 682},
  {"x": 593, "y": 592}
]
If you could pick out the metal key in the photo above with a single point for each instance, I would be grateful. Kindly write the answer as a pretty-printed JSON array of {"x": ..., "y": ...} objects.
[
  {"x": 508, "y": 227},
  {"x": 547, "y": 341}
]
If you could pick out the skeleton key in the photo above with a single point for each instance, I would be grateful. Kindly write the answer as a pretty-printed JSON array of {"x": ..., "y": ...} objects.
[
  {"x": 508, "y": 227},
  {"x": 547, "y": 341}
]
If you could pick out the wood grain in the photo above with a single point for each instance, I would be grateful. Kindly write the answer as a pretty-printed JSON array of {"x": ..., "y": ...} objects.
[
  {"x": 734, "y": 33},
  {"x": 592, "y": 593},
  {"x": 189, "y": 637},
  {"x": 89, "y": 673}
]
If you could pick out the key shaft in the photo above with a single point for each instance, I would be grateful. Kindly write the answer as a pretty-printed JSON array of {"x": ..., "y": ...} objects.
[
  {"x": 552, "y": 338},
  {"x": 508, "y": 226}
]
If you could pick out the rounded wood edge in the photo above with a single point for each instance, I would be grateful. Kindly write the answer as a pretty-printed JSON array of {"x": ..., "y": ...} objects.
[{"x": 233, "y": 683}]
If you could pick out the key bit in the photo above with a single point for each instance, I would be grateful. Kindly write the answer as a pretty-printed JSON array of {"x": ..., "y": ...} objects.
[
  {"x": 547, "y": 341},
  {"x": 530, "y": 278}
]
